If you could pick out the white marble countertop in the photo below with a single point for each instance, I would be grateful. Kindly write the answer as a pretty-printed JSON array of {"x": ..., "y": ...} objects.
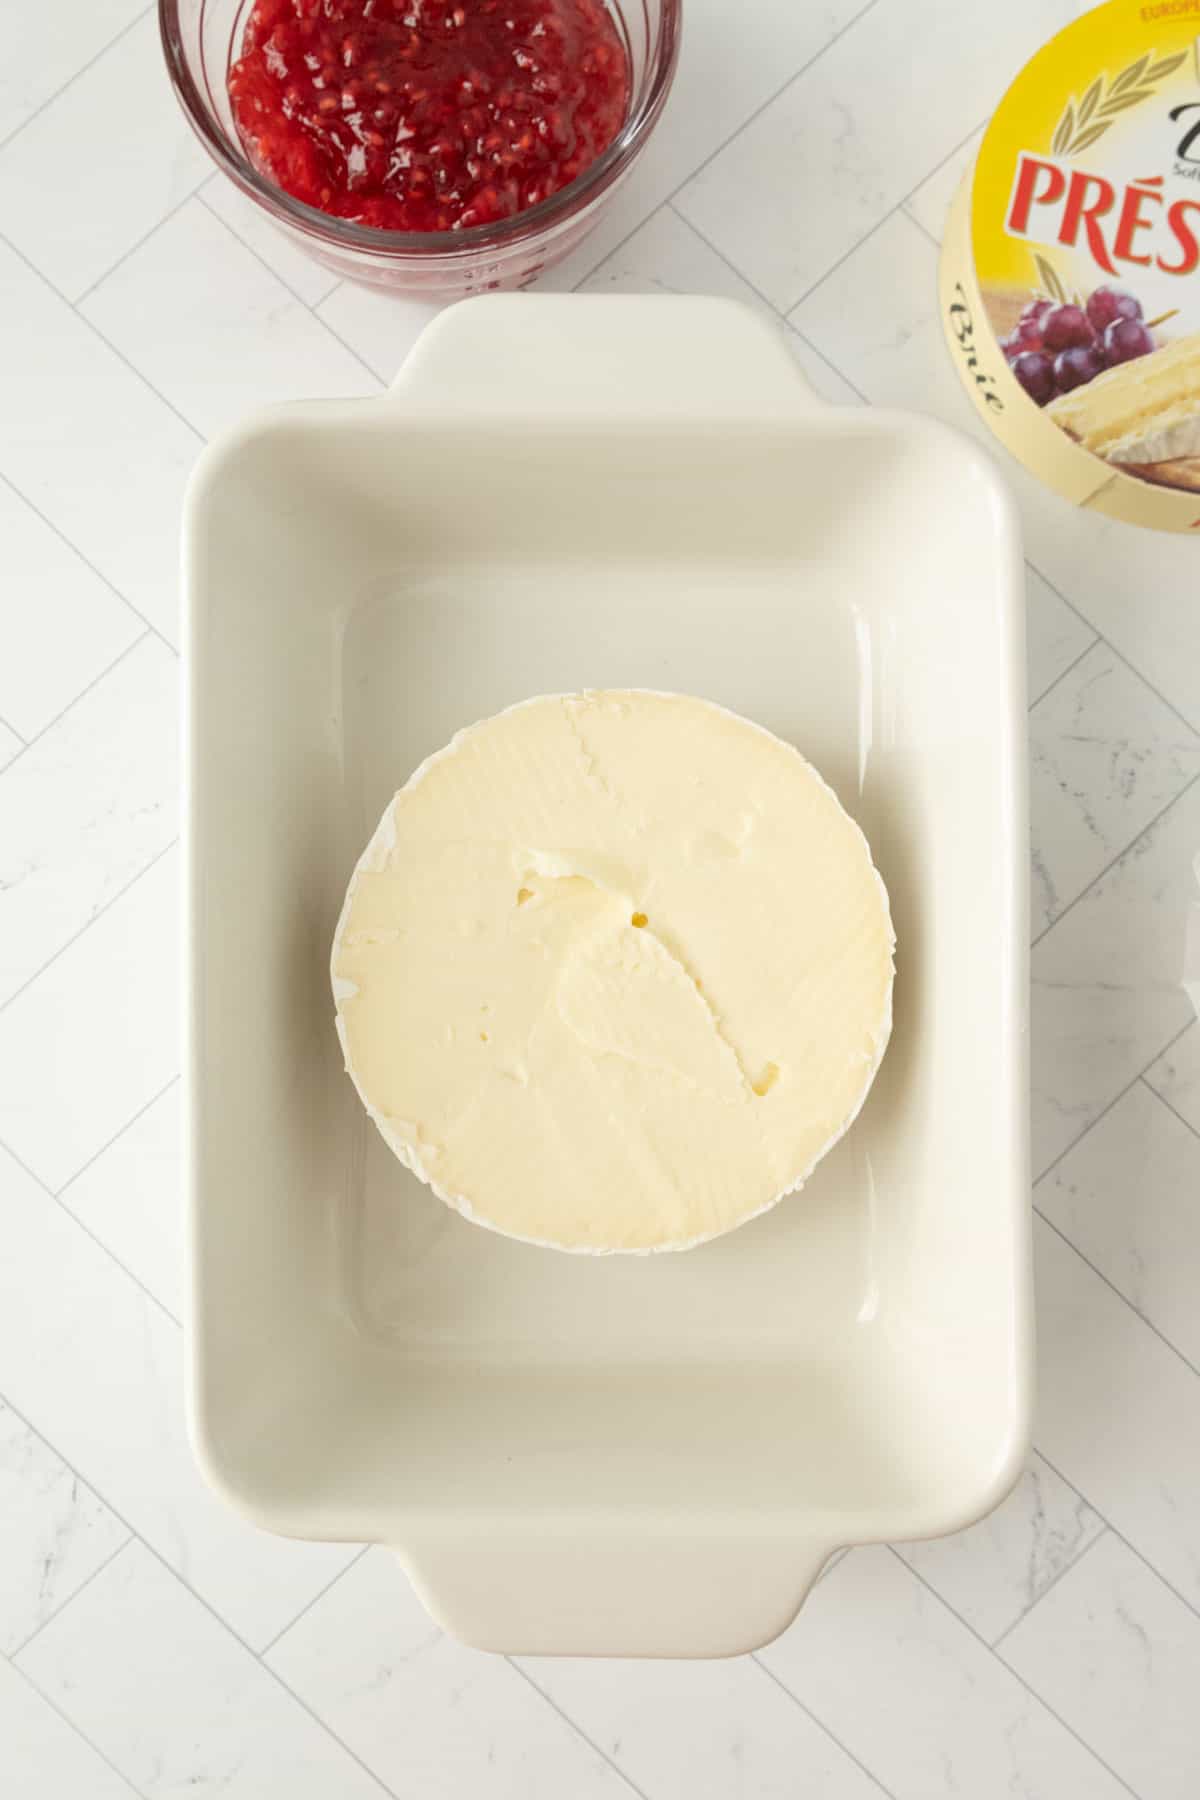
[{"x": 150, "y": 1642}]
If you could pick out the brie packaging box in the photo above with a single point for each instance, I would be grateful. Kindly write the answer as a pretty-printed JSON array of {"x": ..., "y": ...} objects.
[{"x": 1070, "y": 292}]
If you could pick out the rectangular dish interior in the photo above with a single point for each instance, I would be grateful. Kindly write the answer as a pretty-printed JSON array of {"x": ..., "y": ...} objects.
[{"x": 363, "y": 586}]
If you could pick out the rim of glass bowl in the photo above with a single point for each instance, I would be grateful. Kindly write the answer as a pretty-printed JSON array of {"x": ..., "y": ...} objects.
[{"x": 505, "y": 234}]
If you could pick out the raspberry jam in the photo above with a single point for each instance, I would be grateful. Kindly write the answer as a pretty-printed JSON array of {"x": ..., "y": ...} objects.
[{"x": 427, "y": 115}]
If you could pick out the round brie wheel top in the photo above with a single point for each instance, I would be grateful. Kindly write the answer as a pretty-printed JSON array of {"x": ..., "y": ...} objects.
[{"x": 614, "y": 972}]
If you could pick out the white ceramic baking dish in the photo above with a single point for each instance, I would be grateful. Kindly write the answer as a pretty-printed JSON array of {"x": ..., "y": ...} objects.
[{"x": 584, "y": 1454}]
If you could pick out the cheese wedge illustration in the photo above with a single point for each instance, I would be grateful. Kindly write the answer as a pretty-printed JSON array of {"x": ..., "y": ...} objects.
[{"x": 1141, "y": 414}]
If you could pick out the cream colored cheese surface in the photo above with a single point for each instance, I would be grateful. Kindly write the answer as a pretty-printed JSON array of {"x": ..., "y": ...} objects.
[{"x": 614, "y": 972}]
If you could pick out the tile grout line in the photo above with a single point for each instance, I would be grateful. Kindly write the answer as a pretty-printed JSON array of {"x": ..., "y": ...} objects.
[
  {"x": 87, "y": 562},
  {"x": 1117, "y": 652},
  {"x": 818, "y": 1721},
  {"x": 108, "y": 1143},
  {"x": 74, "y": 701},
  {"x": 381, "y": 386},
  {"x": 1133, "y": 1550},
  {"x": 136, "y": 1537},
  {"x": 133, "y": 249},
  {"x": 11, "y": 999},
  {"x": 310, "y": 310},
  {"x": 916, "y": 223},
  {"x": 74, "y": 77},
  {"x": 745, "y": 124},
  {"x": 661, "y": 206},
  {"x": 821, "y": 357},
  {"x": 910, "y": 215},
  {"x": 1099, "y": 1273},
  {"x": 861, "y": 244},
  {"x": 309, "y": 1604},
  {"x": 17, "y": 1412},
  {"x": 828, "y": 274},
  {"x": 13, "y": 732},
  {"x": 577, "y": 1729},
  {"x": 1105, "y": 1110},
  {"x": 781, "y": 317},
  {"x": 1051, "y": 1584},
  {"x": 938, "y": 167},
  {"x": 1119, "y": 857},
  {"x": 841, "y": 32},
  {"x": 91, "y": 326},
  {"x": 900, "y": 207},
  {"x": 670, "y": 206},
  {"x": 200, "y": 194},
  {"x": 1171, "y": 1108},
  {"x": 75, "y": 1592},
  {"x": 1036, "y": 1450},
  {"x": 1097, "y": 640},
  {"x": 1062, "y": 676},
  {"x": 87, "y": 1231},
  {"x": 81, "y": 1735},
  {"x": 274, "y": 1674},
  {"x": 101, "y": 1245},
  {"x": 1069, "y": 1242},
  {"x": 1017, "y": 1676}
]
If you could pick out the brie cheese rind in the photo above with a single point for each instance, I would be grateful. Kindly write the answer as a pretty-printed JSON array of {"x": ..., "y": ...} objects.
[
  {"x": 1144, "y": 411},
  {"x": 614, "y": 972},
  {"x": 1183, "y": 472}
]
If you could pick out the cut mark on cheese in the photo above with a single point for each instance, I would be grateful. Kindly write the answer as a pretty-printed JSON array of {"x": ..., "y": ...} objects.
[
  {"x": 610, "y": 874},
  {"x": 598, "y": 873},
  {"x": 622, "y": 994},
  {"x": 671, "y": 945}
]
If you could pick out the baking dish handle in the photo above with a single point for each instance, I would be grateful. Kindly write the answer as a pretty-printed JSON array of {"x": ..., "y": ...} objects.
[
  {"x": 591, "y": 357},
  {"x": 676, "y": 1594}
]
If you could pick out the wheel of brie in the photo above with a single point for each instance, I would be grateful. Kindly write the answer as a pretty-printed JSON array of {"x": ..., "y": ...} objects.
[
  {"x": 614, "y": 972},
  {"x": 1068, "y": 273}
]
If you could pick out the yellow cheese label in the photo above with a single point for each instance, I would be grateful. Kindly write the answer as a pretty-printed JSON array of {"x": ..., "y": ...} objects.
[{"x": 1071, "y": 272}]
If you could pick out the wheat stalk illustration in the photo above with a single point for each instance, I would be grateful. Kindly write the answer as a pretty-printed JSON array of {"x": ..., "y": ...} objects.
[{"x": 1082, "y": 123}]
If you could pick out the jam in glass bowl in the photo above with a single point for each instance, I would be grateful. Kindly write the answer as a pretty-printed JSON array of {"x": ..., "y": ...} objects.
[{"x": 438, "y": 148}]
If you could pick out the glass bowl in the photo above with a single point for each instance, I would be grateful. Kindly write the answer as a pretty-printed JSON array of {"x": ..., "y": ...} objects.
[{"x": 200, "y": 39}]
